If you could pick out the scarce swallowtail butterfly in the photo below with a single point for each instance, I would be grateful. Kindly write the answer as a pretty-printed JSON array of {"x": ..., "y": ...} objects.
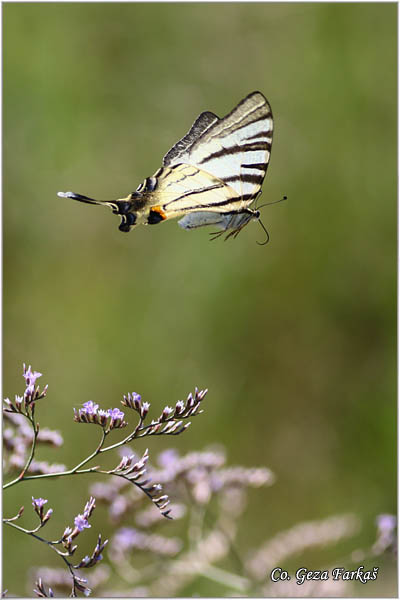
[{"x": 210, "y": 177}]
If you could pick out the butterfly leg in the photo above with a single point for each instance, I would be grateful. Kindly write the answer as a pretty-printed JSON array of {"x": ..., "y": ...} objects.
[{"x": 215, "y": 234}]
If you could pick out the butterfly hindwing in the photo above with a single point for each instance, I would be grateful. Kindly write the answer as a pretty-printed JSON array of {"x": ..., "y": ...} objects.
[{"x": 184, "y": 189}]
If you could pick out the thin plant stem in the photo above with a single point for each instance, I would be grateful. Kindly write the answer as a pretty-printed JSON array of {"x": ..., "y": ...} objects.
[
  {"x": 228, "y": 579},
  {"x": 51, "y": 545},
  {"x": 76, "y": 469},
  {"x": 128, "y": 438},
  {"x": 33, "y": 447}
]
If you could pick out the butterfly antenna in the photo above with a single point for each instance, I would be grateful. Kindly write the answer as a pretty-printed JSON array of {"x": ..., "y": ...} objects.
[
  {"x": 273, "y": 202},
  {"x": 266, "y": 231}
]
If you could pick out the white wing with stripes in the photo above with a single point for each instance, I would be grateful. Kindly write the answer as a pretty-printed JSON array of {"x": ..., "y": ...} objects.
[{"x": 235, "y": 149}]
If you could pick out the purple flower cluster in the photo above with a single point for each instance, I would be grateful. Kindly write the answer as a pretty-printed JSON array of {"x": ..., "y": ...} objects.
[
  {"x": 169, "y": 416},
  {"x": 386, "y": 534},
  {"x": 127, "y": 539},
  {"x": 80, "y": 523},
  {"x": 31, "y": 393},
  {"x": 30, "y": 376},
  {"x": 18, "y": 437},
  {"x": 38, "y": 505},
  {"x": 201, "y": 475},
  {"x": 135, "y": 472},
  {"x": 184, "y": 409},
  {"x": 40, "y": 590},
  {"x": 113, "y": 418},
  {"x": 133, "y": 401},
  {"x": 90, "y": 561},
  {"x": 25, "y": 404}
]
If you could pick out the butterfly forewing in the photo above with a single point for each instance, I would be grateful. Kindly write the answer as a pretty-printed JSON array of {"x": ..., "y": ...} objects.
[{"x": 235, "y": 149}]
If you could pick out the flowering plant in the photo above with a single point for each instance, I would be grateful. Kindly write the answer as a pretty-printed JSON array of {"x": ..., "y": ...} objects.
[
  {"x": 208, "y": 496},
  {"x": 22, "y": 437}
]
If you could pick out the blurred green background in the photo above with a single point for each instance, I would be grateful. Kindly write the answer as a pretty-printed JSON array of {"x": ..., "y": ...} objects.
[{"x": 296, "y": 340}]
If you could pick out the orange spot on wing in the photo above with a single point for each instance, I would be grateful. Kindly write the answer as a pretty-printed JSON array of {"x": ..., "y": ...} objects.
[{"x": 160, "y": 211}]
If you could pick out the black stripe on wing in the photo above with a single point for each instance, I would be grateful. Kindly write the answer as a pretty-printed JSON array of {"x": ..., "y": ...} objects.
[
  {"x": 246, "y": 121},
  {"x": 199, "y": 127},
  {"x": 258, "y": 166},
  {"x": 194, "y": 192},
  {"x": 232, "y": 201},
  {"x": 245, "y": 177},
  {"x": 237, "y": 149},
  {"x": 261, "y": 134}
]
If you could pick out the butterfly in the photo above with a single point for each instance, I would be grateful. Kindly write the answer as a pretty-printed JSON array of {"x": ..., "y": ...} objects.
[{"x": 209, "y": 177}]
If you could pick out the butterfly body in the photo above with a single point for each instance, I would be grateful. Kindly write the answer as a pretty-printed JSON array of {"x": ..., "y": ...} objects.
[{"x": 209, "y": 177}]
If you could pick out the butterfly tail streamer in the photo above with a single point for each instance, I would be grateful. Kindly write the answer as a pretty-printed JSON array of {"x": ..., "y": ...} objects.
[
  {"x": 119, "y": 207},
  {"x": 81, "y": 198}
]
